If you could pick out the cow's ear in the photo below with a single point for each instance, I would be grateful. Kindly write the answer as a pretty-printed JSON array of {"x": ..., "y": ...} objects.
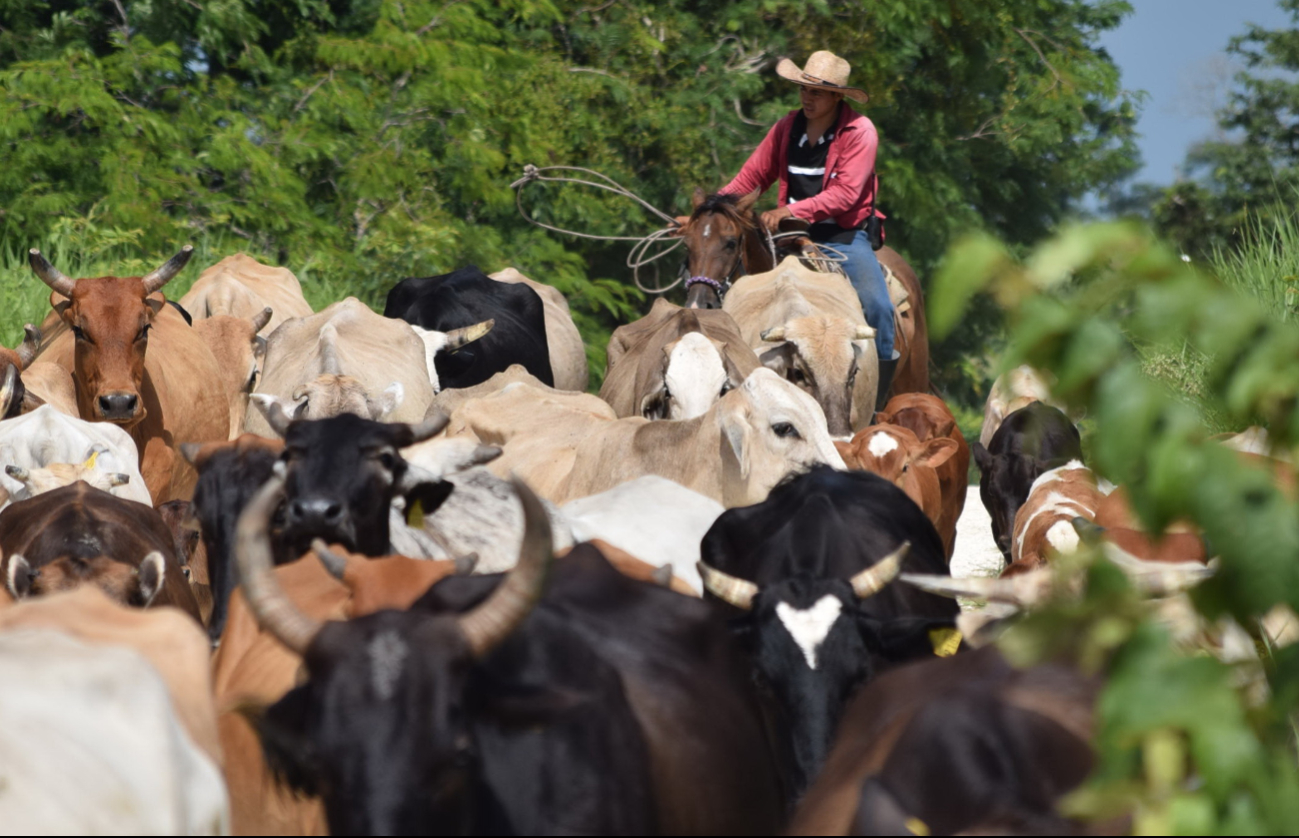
[
  {"x": 387, "y": 402},
  {"x": 981, "y": 457},
  {"x": 259, "y": 346},
  {"x": 936, "y": 452},
  {"x": 152, "y": 573},
  {"x": 19, "y": 577},
  {"x": 739, "y": 433},
  {"x": 61, "y": 307},
  {"x": 778, "y": 359},
  {"x": 154, "y": 305},
  {"x": 902, "y": 639}
]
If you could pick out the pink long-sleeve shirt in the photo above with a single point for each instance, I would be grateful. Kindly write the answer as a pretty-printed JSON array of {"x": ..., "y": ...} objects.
[{"x": 848, "y": 189}]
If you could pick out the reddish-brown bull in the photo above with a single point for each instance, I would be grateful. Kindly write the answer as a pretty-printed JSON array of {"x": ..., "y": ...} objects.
[
  {"x": 897, "y": 455},
  {"x": 160, "y": 397},
  {"x": 928, "y": 418}
]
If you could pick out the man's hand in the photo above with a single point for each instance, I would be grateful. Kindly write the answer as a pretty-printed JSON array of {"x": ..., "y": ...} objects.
[{"x": 771, "y": 218}]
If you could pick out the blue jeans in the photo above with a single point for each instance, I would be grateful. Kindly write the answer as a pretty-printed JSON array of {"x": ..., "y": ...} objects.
[{"x": 867, "y": 278}]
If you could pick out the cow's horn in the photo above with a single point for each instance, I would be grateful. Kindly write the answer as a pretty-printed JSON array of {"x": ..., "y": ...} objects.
[
  {"x": 491, "y": 622},
  {"x": 18, "y": 473},
  {"x": 49, "y": 274},
  {"x": 272, "y": 609},
  {"x": 457, "y": 338},
  {"x": 190, "y": 451},
  {"x": 8, "y": 388},
  {"x": 118, "y": 478},
  {"x": 662, "y": 575},
  {"x": 429, "y": 428},
  {"x": 174, "y": 265},
  {"x": 465, "y": 564},
  {"x": 273, "y": 411},
  {"x": 728, "y": 588},
  {"x": 30, "y": 346},
  {"x": 335, "y": 563},
  {"x": 775, "y": 333},
  {"x": 261, "y": 318},
  {"x": 1024, "y": 590},
  {"x": 872, "y": 580},
  {"x": 863, "y": 332}
]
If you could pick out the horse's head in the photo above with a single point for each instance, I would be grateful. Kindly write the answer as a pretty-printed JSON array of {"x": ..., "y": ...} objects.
[{"x": 722, "y": 239}]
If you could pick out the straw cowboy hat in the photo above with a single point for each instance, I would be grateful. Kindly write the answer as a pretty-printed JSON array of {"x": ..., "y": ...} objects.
[{"x": 824, "y": 70}]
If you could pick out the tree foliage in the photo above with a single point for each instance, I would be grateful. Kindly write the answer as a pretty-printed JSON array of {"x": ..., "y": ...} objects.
[
  {"x": 378, "y": 137},
  {"x": 1181, "y": 743}
]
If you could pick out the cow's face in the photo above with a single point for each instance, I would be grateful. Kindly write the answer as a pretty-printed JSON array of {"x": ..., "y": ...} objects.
[
  {"x": 772, "y": 429},
  {"x": 110, "y": 318},
  {"x": 380, "y": 727},
  {"x": 822, "y": 356},
  {"x": 895, "y": 454},
  {"x": 1004, "y": 484},
  {"x": 342, "y": 474},
  {"x": 691, "y": 378}
]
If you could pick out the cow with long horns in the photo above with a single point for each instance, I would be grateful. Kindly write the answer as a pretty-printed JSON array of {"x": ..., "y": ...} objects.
[
  {"x": 810, "y": 570},
  {"x": 500, "y": 704},
  {"x": 161, "y": 396}
]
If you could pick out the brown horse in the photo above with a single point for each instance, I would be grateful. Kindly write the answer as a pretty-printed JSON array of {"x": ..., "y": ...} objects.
[{"x": 725, "y": 240}]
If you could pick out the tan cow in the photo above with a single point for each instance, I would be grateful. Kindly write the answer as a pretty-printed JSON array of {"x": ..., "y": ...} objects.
[
  {"x": 163, "y": 396},
  {"x": 569, "y": 446},
  {"x": 899, "y": 456},
  {"x": 928, "y": 418},
  {"x": 238, "y": 348},
  {"x": 809, "y": 328},
  {"x": 1044, "y": 524},
  {"x": 674, "y": 362},
  {"x": 240, "y": 286},
  {"x": 344, "y": 359},
  {"x": 567, "y": 352},
  {"x": 1013, "y": 390}
]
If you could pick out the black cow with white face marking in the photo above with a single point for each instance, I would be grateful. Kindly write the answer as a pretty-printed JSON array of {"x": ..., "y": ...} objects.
[
  {"x": 810, "y": 567},
  {"x": 467, "y": 297},
  {"x": 1030, "y": 442},
  {"x": 503, "y": 704}
]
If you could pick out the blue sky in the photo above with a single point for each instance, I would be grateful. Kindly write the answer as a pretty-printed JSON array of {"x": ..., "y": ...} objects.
[{"x": 1175, "y": 50}]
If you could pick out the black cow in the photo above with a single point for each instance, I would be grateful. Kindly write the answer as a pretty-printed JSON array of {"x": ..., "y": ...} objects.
[
  {"x": 496, "y": 704},
  {"x": 1031, "y": 441},
  {"x": 810, "y": 565},
  {"x": 956, "y": 746},
  {"x": 468, "y": 296}
]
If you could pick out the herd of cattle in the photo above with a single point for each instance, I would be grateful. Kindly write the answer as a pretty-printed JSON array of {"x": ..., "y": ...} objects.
[{"x": 751, "y": 626}]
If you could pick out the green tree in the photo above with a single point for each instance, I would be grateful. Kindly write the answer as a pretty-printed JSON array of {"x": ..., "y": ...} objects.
[{"x": 375, "y": 139}]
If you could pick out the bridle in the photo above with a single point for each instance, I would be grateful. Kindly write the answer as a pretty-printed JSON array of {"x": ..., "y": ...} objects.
[{"x": 721, "y": 287}]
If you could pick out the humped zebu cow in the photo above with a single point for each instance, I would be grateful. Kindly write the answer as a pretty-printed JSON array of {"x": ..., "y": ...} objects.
[
  {"x": 161, "y": 397},
  {"x": 571, "y": 446},
  {"x": 344, "y": 359},
  {"x": 809, "y": 328},
  {"x": 238, "y": 349},
  {"x": 674, "y": 362},
  {"x": 118, "y": 731},
  {"x": 809, "y": 571},
  {"x": 567, "y": 351},
  {"x": 564, "y": 697},
  {"x": 505, "y": 321},
  {"x": 1031, "y": 441},
  {"x": 896, "y": 454},
  {"x": 47, "y": 438},
  {"x": 964, "y": 745},
  {"x": 927, "y": 417},
  {"x": 77, "y": 535},
  {"x": 1014, "y": 389},
  {"x": 240, "y": 286}
]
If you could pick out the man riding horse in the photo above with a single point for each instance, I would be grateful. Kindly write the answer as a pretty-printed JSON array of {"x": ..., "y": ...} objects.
[{"x": 823, "y": 155}]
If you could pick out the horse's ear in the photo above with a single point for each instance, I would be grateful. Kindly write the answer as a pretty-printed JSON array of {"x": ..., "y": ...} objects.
[
  {"x": 746, "y": 203},
  {"x": 698, "y": 198}
]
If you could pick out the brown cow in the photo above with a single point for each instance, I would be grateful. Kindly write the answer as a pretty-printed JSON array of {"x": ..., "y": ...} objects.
[
  {"x": 896, "y": 454},
  {"x": 191, "y": 551},
  {"x": 77, "y": 535},
  {"x": 14, "y": 398},
  {"x": 161, "y": 397},
  {"x": 238, "y": 349},
  {"x": 1044, "y": 524},
  {"x": 656, "y": 370},
  {"x": 928, "y": 418}
]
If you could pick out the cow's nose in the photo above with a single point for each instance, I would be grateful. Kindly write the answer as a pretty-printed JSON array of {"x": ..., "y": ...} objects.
[
  {"x": 118, "y": 404},
  {"x": 315, "y": 512}
]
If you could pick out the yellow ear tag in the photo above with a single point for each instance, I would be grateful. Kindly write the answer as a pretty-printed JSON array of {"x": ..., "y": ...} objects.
[
  {"x": 90, "y": 463},
  {"x": 415, "y": 515},
  {"x": 914, "y": 825},
  {"x": 945, "y": 642}
]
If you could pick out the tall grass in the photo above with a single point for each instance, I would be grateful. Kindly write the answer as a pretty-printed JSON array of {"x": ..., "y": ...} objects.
[
  {"x": 25, "y": 299},
  {"x": 1266, "y": 264}
]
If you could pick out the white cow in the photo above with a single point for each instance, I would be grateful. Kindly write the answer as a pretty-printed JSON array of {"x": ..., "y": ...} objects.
[
  {"x": 655, "y": 519},
  {"x": 47, "y": 436}
]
